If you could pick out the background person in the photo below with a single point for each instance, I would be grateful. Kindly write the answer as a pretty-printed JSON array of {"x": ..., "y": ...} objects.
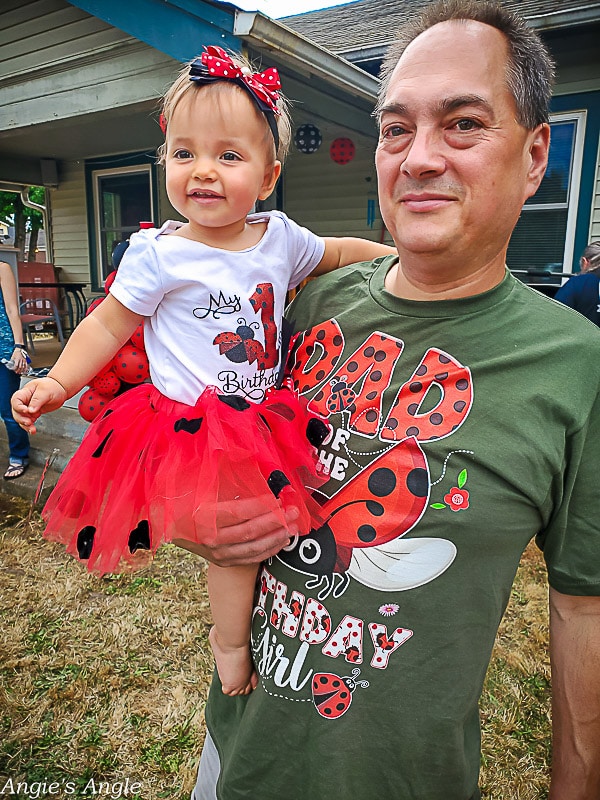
[
  {"x": 12, "y": 349},
  {"x": 582, "y": 292},
  {"x": 467, "y": 421}
]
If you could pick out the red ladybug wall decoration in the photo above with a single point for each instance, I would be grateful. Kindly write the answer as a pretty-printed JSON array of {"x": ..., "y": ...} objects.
[{"x": 342, "y": 150}]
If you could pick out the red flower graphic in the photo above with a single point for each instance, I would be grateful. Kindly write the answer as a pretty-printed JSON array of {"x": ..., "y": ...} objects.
[{"x": 457, "y": 499}]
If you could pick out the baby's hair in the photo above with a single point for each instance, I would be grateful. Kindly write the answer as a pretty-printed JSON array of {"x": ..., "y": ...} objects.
[{"x": 182, "y": 86}]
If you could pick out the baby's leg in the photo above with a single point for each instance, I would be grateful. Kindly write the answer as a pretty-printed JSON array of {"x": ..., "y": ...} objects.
[{"x": 231, "y": 592}]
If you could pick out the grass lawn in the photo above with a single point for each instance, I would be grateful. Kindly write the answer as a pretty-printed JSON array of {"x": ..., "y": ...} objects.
[{"x": 105, "y": 679}]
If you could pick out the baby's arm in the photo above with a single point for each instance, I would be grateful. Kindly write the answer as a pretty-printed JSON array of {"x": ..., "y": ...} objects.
[
  {"x": 92, "y": 345},
  {"x": 345, "y": 250}
]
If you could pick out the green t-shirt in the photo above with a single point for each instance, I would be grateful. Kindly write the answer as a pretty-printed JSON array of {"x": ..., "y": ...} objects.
[{"x": 464, "y": 428}]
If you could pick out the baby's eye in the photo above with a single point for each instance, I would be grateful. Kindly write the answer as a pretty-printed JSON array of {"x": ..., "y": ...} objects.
[
  {"x": 182, "y": 154},
  {"x": 230, "y": 156}
]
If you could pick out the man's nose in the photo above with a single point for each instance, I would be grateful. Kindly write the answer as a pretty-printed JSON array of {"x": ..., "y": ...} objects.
[{"x": 424, "y": 156}]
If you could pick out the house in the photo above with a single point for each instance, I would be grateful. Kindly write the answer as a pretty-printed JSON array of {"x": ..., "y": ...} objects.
[
  {"x": 564, "y": 215},
  {"x": 80, "y": 84}
]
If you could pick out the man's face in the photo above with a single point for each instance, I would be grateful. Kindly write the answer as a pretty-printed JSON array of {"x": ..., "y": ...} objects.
[{"x": 454, "y": 167}]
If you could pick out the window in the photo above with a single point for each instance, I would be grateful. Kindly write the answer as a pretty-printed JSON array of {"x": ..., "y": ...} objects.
[
  {"x": 122, "y": 198},
  {"x": 544, "y": 236}
]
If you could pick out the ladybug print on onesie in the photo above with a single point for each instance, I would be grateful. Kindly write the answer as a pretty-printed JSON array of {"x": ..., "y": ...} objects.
[{"x": 240, "y": 346}]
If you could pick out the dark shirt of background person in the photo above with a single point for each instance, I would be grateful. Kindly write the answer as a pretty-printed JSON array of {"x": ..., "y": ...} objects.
[{"x": 582, "y": 292}]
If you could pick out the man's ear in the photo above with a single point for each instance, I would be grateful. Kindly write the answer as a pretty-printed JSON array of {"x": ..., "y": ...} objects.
[
  {"x": 272, "y": 174},
  {"x": 539, "y": 146}
]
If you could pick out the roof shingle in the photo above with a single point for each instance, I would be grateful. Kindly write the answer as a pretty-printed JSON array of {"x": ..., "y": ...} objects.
[{"x": 364, "y": 24}]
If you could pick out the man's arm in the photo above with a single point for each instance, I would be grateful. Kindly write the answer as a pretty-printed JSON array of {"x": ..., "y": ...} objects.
[{"x": 575, "y": 662}]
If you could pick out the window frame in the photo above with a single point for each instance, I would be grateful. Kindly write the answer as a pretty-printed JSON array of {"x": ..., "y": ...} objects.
[
  {"x": 571, "y": 205},
  {"x": 134, "y": 163}
]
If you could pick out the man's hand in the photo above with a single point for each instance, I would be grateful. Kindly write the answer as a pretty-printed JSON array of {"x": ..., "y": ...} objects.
[
  {"x": 37, "y": 397},
  {"x": 247, "y": 534}
]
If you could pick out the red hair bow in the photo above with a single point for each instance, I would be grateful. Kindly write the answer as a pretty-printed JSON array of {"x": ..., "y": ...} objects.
[{"x": 220, "y": 66}]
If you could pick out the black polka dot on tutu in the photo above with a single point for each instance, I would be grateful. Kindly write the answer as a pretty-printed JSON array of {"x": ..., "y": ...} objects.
[
  {"x": 139, "y": 537},
  {"x": 188, "y": 425},
  {"x": 234, "y": 401},
  {"x": 85, "y": 541},
  {"x": 264, "y": 419},
  {"x": 277, "y": 481},
  {"x": 316, "y": 432},
  {"x": 100, "y": 449}
]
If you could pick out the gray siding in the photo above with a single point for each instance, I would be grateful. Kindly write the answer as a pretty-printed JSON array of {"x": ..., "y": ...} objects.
[
  {"x": 69, "y": 225},
  {"x": 595, "y": 226},
  {"x": 332, "y": 199}
]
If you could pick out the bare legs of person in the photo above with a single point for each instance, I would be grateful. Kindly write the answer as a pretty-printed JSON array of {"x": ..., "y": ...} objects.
[{"x": 231, "y": 592}]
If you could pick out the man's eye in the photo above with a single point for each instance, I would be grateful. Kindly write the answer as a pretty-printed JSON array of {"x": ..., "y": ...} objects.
[
  {"x": 393, "y": 131},
  {"x": 467, "y": 125}
]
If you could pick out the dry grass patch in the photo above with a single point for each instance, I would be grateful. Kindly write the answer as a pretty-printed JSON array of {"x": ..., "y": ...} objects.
[
  {"x": 100, "y": 678},
  {"x": 106, "y": 679},
  {"x": 516, "y": 703}
]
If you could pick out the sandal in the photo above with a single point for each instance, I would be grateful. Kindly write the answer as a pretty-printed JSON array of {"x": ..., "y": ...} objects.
[{"x": 15, "y": 469}]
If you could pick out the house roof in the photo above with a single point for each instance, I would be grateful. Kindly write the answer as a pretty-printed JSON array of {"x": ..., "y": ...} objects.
[{"x": 370, "y": 25}]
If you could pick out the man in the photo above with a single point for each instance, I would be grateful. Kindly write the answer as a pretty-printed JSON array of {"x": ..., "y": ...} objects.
[
  {"x": 582, "y": 292},
  {"x": 467, "y": 422}
]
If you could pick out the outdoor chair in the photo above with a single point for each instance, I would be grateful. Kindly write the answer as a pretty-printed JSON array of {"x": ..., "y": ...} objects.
[{"x": 39, "y": 300}]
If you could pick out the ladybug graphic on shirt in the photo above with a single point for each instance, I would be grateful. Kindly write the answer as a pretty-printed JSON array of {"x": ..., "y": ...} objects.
[
  {"x": 332, "y": 695},
  {"x": 241, "y": 346},
  {"x": 384, "y": 641},
  {"x": 363, "y": 536},
  {"x": 342, "y": 397}
]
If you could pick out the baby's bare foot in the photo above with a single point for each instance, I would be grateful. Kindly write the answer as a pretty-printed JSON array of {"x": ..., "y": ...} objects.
[{"x": 234, "y": 666}]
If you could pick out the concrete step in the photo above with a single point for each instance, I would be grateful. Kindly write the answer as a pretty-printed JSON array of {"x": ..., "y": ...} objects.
[
  {"x": 59, "y": 434},
  {"x": 64, "y": 423},
  {"x": 28, "y": 485}
]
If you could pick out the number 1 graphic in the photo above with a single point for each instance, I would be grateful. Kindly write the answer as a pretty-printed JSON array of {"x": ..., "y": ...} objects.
[{"x": 263, "y": 303}]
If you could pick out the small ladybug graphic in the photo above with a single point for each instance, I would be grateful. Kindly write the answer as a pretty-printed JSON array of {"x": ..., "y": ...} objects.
[
  {"x": 322, "y": 623},
  {"x": 342, "y": 398},
  {"x": 296, "y": 608},
  {"x": 384, "y": 642},
  {"x": 352, "y": 654},
  {"x": 332, "y": 695},
  {"x": 241, "y": 345},
  {"x": 351, "y": 651}
]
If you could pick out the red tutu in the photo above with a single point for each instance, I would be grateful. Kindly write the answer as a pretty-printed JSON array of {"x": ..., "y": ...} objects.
[{"x": 150, "y": 470}]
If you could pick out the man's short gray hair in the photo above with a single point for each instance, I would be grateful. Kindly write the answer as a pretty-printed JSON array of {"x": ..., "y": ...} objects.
[{"x": 530, "y": 70}]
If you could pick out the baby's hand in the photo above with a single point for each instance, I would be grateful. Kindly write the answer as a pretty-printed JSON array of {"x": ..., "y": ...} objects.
[{"x": 37, "y": 397}]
